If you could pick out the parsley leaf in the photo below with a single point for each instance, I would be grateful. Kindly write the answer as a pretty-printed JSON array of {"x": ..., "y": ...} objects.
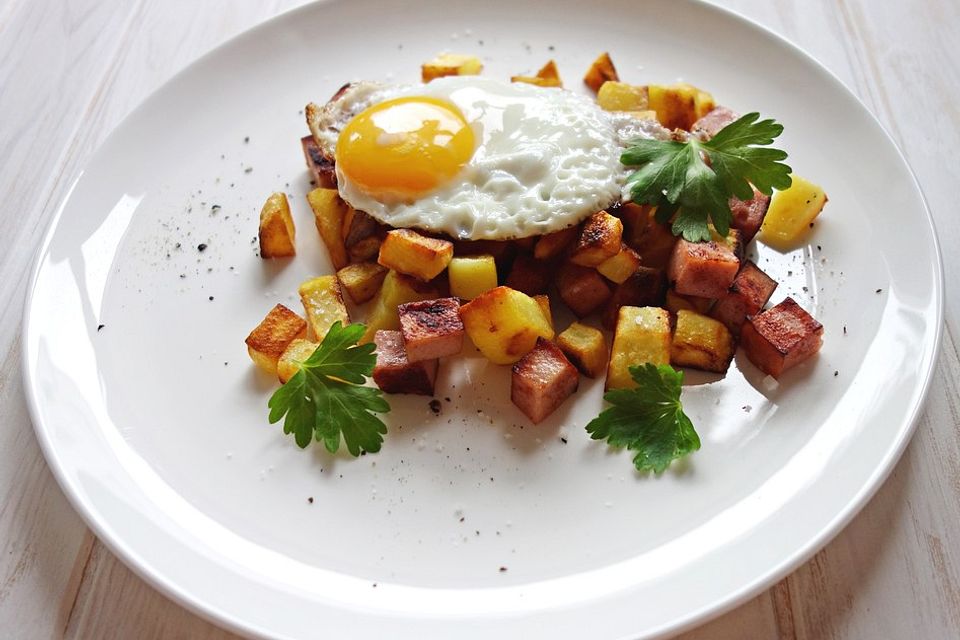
[
  {"x": 648, "y": 420},
  {"x": 325, "y": 399},
  {"x": 698, "y": 178}
]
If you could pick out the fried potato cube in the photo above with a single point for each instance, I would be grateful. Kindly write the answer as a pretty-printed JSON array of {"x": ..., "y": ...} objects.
[
  {"x": 277, "y": 233},
  {"x": 472, "y": 275},
  {"x": 602, "y": 70},
  {"x": 582, "y": 289},
  {"x": 529, "y": 275},
  {"x": 394, "y": 373},
  {"x": 700, "y": 342},
  {"x": 362, "y": 280},
  {"x": 652, "y": 240},
  {"x": 450, "y": 64},
  {"x": 329, "y": 212},
  {"x": 749, "y": 292},
  {"x": 599, "y": 239},
  {"x": 680, "y": 105},
  {"x": 791, "y": 213},
  {"x": 642, "y": 336},
  {"x": 410, "y": 253},
  {"x": 293, "y": 356},
  {"x": 361, "y": 235},
  {"x": 544, "y": 301},
  {"x": 395, "y": 290},
  {"x": 781, "y": 338},
  {"x": 674, "y": 302},
  {"x": 585, "y": 347},
  {"x": 644, "y": 288},
  {"x": 620, "y": 96},
  {"x": 542, "y": 380},
  {"x": 547, "y": 76},
  {"x": 553, "y": 244},
  {"x": 323, "y": 301},
  {"x": 748, "y": 215},
  {"x": 504, "y": 324},
  {"x": 321, "y": 168},
  {"x": 704, "y": 269},
  {"x": 621, "y": 266},
  {"x": 712, "y": 122},
  {"x": 431, "y": 328},
  {"x": 269, "y": 339}
]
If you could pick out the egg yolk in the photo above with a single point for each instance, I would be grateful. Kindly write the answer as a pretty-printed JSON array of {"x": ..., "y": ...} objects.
[{"x": 405, "y": 147}]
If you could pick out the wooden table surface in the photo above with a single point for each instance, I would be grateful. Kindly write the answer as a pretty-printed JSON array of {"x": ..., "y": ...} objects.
[{"x": 70, "y": 70}]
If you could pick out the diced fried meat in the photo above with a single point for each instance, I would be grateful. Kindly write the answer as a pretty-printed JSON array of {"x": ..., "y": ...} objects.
[
  {"x": 394, "y": 373},
  {"x": 582, "y": 288},
  {"x": 645, "y": 288},
  {"x": 542, "y": 380},
  {"x": 529, "y": 275},
  {"x": 321, "y": 168},
  {"x": 431, "y": 328},
  {"x": 704, "y": 269},
  {"x": 748, "y": 215},
  {"x": 710, "y": 124},
  {"x": 781, "y": 337},
  {"x": 749, "y": 292}
]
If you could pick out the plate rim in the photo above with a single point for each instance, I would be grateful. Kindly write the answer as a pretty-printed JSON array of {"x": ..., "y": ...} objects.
[{"x": 718, "y": 606}]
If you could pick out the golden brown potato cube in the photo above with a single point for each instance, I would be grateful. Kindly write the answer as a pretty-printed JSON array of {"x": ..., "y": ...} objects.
[
  {"x": 361, "y": 281},
  {"x": 676, "y": 301},
  {"x": 361, "y": 235},
  {"x": 585, "y": 347},
  {"x": 410, "y": 253},
  {"x": 781, "y": 337},
  {"x": 553, "y": 244},
  {"x": 582, "y": 289},
  {"x": 329, "y": 212},
  {"x": 529, "y": 275},
  {"x": 293, "y": 356},
  {"x": 680, "y": 105},
  {"x": 395, "y": 290},
  {"x": 431, "y": 328},
  {"x": 450, "y": 64},
  {"x": 791, "y": 213},
  {"x": 652, "y": 240},
  {"x": 321, "y": 168},
  {"x": 701, "y": 343},
  {"x": 642, "y": 336},
  {"x": 267, "y": 342},
  {"x": 547, "y": 76},
  {"x": 544, "y": 301},
  {"x": 620, "y": 96},
  {"x": 600, "y": 239},
  {"x": 504, "y": 324},
  {"x": 394, "y": 373},
  {"x": 644, "y": 288},
  {"x": 602, "y": 70},
  {"x": 542, "y": 380},
  {"x": 323, "y": 301},
  {"x": 472, "y": 275},
  {"x": 621, "y": 266},
  {"x": 277, "y": 233}
]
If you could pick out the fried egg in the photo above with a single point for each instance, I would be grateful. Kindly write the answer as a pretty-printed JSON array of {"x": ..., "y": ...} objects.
[{"x": 475, "y": 158}]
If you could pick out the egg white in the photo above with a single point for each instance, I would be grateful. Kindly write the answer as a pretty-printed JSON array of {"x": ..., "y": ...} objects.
[{"x": 545, "y": 158}]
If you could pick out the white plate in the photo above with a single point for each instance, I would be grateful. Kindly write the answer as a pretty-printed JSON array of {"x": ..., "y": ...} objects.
[{"x": 156, "y": 425}]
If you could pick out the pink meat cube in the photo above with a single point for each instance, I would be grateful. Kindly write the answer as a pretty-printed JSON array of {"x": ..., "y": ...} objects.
[
  {"x": 748, "y": 215},
  {"x": 710, "y": 124},
  {"x": 645, "y": 288},
  {"x": 582, "y": 289},
  {"x": 781, "y": 337},
  {"x": 394, "y": 373},
  {"x": 704, "y": 269},
  {"x": 529, "y": 275},
  {"x": 542, "y": 380},
  {"x": 749, "y": 292},
  {"x": 431, "y": 328}
]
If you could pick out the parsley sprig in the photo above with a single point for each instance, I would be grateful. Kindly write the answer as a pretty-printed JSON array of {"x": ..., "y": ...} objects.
[
  {"x": 648, "y": 420},
  {"x": 326, "y": 400},
  {"x": 695, "y": 179}
]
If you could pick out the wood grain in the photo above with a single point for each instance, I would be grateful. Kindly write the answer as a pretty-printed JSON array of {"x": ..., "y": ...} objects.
[{"x": 893, "y": 572}]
